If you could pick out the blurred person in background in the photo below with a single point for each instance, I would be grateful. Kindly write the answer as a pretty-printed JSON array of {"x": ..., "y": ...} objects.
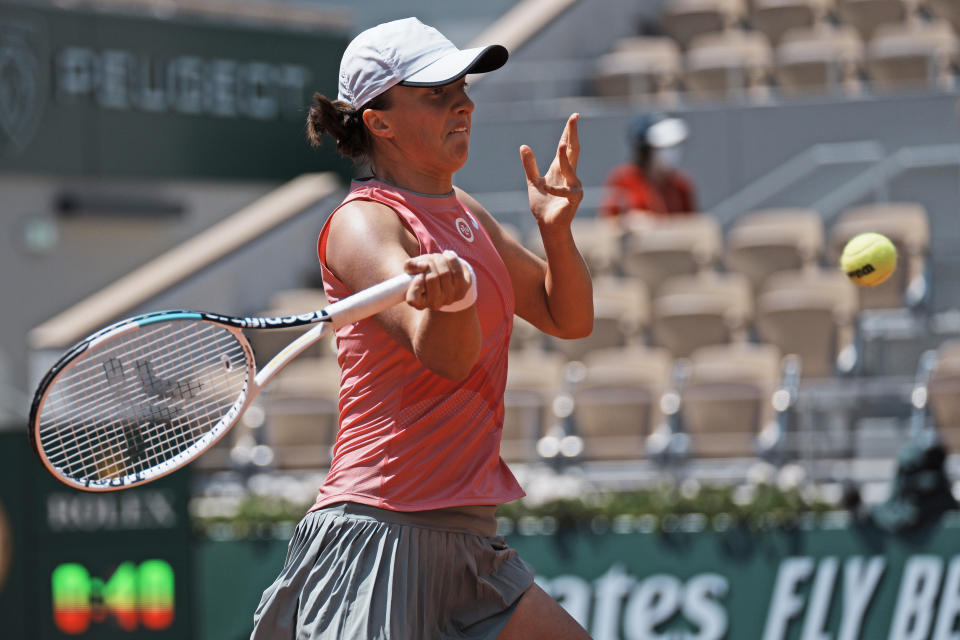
[
  {"x": 401, "y": 542},
  {"x": 651, "y": 184}
]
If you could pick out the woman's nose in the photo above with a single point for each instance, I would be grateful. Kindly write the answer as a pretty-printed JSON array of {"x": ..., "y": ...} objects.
[{"x": 465, "y": 104}]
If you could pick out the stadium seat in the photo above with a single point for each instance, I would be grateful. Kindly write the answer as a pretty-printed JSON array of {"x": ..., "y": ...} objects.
[
  {"x": 912, "y": 54},
  {"x": 639, "y": 67},
  {"x": 943, "y": 391},
  {"x": 621, "y": 311},
  {"x": 704, "y": 309},
  {"x": 525, "y": 335},
  {"x": 597, "y": 238},
  {"x": 730, "y": 64},
  {"x": 764, "y": 242},
  {"x": 773, "y": 18},
  {"x": 725, "y": 400},
  {"x": 867, "y": 15},
  {"x": 684, "y": 20},
  {"x": 534, "y": 378},
  {"x": 655, "y": 249},
  {"x": 823, "y": 59},
  {"x": 267, "y": 344},
  {"x": 617, "y": 403},
  {"x": 599, "y": 241},
  {"x": 948, "y": 10},
  {"x": 808, "y": 313},
  {"x": 301, "y": 407},
  {"x": 908, "y": 227}
]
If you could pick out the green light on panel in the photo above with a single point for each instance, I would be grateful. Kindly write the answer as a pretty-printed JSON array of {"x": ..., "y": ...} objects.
[
  {"x": 120, "y": 596},
  {"x": 71, "y": 598},
  {"x": 156, "y": 594}
]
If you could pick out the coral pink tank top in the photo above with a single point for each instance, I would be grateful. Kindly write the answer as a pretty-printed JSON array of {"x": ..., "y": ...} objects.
[{"x": 411, "y": 440}]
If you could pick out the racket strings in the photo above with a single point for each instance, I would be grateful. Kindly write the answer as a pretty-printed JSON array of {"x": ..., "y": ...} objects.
[
  {"x": 135, "y": 402},
  {"x": 82, "y": 402},
  {"x": 143, "y": 447}
]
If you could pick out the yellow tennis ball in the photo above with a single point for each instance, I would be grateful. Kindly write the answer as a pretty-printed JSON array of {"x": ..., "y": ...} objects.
[{"x": 869, "y": 259}]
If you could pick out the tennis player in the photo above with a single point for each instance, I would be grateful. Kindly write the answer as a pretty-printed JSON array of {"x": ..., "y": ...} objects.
[{"x": 401, "y": 543}]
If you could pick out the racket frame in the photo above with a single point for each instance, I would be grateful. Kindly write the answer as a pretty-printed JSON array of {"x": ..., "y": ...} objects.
[{"x": 346, "y": 311}]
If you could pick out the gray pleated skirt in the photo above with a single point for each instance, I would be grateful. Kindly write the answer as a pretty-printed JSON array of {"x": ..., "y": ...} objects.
[{"x": 356, "y": 572}]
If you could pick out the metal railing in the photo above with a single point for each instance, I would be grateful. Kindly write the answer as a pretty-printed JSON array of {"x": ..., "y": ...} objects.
[
  {"x": 766, "y": 188},
  {"x": 876, "y": 179}
]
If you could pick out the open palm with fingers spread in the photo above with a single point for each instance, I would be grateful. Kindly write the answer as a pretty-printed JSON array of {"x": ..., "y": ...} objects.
[{"x": 554, "y": 197}]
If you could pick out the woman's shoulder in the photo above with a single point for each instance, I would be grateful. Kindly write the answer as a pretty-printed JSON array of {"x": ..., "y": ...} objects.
[
  {"x": 363, "y": 230},
  {"x": 364, "y": 217}
]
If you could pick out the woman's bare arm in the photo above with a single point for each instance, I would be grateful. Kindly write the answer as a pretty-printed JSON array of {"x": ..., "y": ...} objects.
[
  {"x": 366, "y": 244},
  {"x": 555, "y": 295}
]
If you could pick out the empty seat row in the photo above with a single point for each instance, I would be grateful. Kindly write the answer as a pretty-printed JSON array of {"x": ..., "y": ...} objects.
[
  {"x": 726, "y": 401},
  {"x": 810, "y": 313},
  {"x": 762, "y": 243},
  {"x": 684, "y": 20},
  {"x": 613, "y": 404},
  {"x": 734, "y": 400},
  {"x": 818, "y": 58},
  {"x": 620, "y": 400},
  {"x": 757, "y": 245}
]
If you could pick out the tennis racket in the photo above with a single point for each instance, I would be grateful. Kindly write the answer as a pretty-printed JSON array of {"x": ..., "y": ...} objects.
[{"x": 145, "y": 396}]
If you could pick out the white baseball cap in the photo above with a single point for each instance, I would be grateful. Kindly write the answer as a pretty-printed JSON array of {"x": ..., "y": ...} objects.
[
  {"x": 411, "y": 53},
  {"x": 667, "y": 133}
]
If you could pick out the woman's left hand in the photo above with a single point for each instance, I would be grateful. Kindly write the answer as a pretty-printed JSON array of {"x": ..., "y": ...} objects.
[{"x": 554, "y": 197}]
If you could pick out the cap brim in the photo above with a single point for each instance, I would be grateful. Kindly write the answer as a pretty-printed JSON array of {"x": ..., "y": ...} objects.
[{"x": 457, "y": 64}]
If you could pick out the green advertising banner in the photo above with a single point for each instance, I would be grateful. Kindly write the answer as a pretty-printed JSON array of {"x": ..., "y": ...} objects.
[
  {"x": 820, "y": 583},
  {"x": 87, "y": 92},
  {"x": 834, "y": 580}
]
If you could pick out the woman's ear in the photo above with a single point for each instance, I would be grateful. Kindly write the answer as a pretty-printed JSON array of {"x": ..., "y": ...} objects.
[{"x": 377, "y": 123}]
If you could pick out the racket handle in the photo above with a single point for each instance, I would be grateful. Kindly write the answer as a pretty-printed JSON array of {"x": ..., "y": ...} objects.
[
  {"x": 380, "y": 297},
  {"x": 370, "y": 301}
]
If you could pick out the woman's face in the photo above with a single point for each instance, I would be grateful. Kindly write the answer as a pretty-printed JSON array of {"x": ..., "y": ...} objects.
[{"x": 430, "y": 126}]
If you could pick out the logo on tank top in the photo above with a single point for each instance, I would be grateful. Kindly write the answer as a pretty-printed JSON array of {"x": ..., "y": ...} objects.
[{"x": 463, "y": 227}]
